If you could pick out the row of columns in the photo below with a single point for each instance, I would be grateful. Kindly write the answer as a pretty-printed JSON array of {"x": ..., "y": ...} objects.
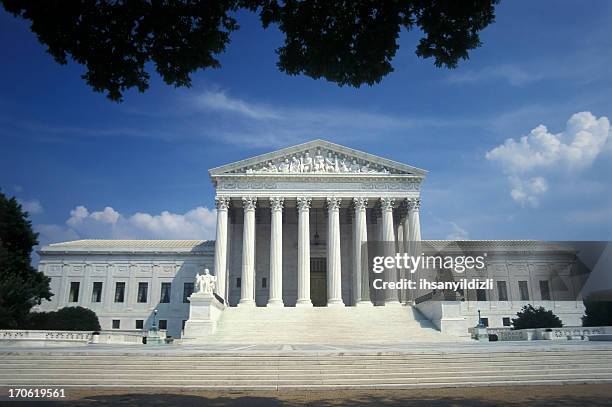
[{"x": 361, "y": 285}]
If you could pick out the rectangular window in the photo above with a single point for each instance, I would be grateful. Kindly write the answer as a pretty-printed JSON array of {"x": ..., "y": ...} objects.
[
  {"x": 502, "y": 291},
  {"x": 544, "y": 290},
  {"x": 139, "y": 324},
  {"x": 238, "y": 282},
  {"x": 481, "y": 295},
  {"x": 119, "y": 292},
  {"x": 116, "y": 323},
  {"x": 506, "y": 321},
  {"x": 523, "y": 290},
  {"x": 96, "y": 292},
  {"x": 485, "y": 321},
  {"x": 187, "y": 291},
  {"x": 165, "y": 293},
  {"x": 163, "y": 324},
  {"x": 74, "y": 292},
  {"x": 143, "y": 288},
  {"x": 264, "y": 282}
]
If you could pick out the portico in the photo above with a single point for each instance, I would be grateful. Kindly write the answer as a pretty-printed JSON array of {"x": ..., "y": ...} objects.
[{"x": 312, "y": 205}]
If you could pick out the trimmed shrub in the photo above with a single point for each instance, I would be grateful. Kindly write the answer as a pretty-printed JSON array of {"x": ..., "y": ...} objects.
[
  {"x": 65, "y": 319},
  {"x": 530, "y": 317},
  {"x": 597, "y": 313}
]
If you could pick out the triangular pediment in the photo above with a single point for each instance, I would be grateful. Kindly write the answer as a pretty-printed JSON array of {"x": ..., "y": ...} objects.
[{"x": 317, "y": 157}]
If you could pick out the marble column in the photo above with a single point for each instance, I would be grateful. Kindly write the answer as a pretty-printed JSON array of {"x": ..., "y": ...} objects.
[
  {"x": 409, "y": 297},
  {"x": 414, "y": 223},
  {"x": 303, "y": 206},
  {"x": 388, "y": 232},
  {"x": 276, "y": 253},
  {"x": 222, "y": 204},
  {"x": 334, "y": 265},
  {"x": 414, "y": 235},
  {"x": 361, "y": 275},
  {"x": 247, "y": 287},
  {"x": 399, "y": 248}
]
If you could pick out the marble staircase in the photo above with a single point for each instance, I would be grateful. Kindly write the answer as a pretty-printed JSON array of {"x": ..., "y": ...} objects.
[
  {"x": 316, "y": 325},
  {"x": 461, "y": 365}
]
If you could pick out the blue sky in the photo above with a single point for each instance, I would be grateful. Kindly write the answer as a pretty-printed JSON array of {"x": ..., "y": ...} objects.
[{"x": 86, "y": 167}]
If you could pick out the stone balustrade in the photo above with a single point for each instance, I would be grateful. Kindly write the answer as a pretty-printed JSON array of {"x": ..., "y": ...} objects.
[
  {"x": 45, "y": 335},
  {"x": 18, "y": 337},
  {"x": 563, "y": 333}
]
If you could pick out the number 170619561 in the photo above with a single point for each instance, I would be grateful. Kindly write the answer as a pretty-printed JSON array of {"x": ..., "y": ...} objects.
[{"x": 36, "y": 393}]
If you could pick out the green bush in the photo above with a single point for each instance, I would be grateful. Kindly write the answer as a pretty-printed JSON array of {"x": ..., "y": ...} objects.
[
  {"x": 65, "y": 319},
  {"x": 530, "y": 317},
  {"x": 597, "y": 313}
]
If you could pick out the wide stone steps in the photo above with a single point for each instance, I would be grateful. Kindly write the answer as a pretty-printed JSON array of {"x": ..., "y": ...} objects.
[
  {"x": 347, "y": 325},
  {"x": 296, "y": 370}
]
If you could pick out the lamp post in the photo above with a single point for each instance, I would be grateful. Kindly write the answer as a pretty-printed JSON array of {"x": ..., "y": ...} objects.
[{"x": 479, "y": 320}]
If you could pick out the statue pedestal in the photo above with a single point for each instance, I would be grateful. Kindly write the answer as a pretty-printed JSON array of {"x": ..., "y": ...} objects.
[
  {"x": 154, "y": 338},
  {"x": 204, "y": 312},
  {"x": 480, "y": 333}
]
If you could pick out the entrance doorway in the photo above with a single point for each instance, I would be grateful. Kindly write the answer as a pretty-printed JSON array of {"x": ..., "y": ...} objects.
[{"x": 318, "y": 281}]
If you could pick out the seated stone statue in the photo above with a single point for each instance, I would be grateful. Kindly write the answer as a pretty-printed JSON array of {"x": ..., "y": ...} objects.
[
  {"x": 331, "y": 163},
  {"x": 295, "y": 165},
  {"x": 205, "y": 283},
  {"x": 284, "y": 166}
]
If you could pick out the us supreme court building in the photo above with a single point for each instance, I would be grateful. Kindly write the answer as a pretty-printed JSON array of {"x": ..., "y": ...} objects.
[{"x": 291, "y": 229}]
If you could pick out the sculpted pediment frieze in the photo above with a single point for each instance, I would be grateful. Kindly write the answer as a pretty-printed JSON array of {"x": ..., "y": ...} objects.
[
  {"x": 317, "y": 157},
  {"x": 316, "y": 162}
]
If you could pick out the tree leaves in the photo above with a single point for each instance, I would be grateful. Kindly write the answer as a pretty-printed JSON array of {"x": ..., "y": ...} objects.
[
  {"x": 21, "y": 286},
  {"x": 346, "y": 42}
]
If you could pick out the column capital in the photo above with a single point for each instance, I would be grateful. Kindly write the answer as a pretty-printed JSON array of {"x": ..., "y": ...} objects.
[
  {"x": 413, "y": 204},
  {"x": 303, "y": 203},
  {"x": 333, "y": 203},
  {"x": 249, "y": 203},
  {"x": 222, "y": 203},
  {"x": 276, "y": 203},
  {"x": 387, "y": 203},
  {"x": 360, "y": 203}
]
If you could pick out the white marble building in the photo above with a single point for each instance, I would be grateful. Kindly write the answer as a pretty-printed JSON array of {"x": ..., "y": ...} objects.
[
  {"x": 290, "y": 228},
  {"x": 124, "y": 281}
]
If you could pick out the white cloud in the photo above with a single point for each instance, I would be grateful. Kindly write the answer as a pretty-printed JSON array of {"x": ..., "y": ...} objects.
[
  {"x": 528, "y": 192},
  {"x": 198, "y": 223},
  {"x": 33, "y": 207},
  {"x": 260, "y": 125},
  {"x": 574, "y": 149},
  {"x": 512, "y": 74},
  {"x": 577, "y": 147},
  {"x": 457, "y": 233},
  {"x": 220, "y": 101}
]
